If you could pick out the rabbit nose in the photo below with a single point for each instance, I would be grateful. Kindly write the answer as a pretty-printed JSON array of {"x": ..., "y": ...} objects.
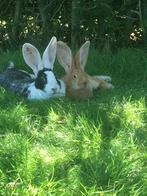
[
  {"x": 85, "y": 83},
  {"x": 54, "y": 90}
]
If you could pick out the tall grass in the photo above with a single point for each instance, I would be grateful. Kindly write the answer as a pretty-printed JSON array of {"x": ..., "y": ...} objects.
[{"x": 67, "y": 147}]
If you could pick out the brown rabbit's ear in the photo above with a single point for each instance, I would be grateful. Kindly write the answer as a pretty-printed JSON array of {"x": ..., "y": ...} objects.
[
  {"x": 64, "y": 55},
  {"x": 82, "y": 55}
]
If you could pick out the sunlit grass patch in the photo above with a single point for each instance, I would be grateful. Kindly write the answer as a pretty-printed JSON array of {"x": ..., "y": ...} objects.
[{"x": 134, "y": 112}]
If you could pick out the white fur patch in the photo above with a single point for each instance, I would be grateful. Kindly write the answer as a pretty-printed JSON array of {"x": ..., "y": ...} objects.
[
  {"x": 35, "y": 93},
  {"x": 106, "y": 78}
]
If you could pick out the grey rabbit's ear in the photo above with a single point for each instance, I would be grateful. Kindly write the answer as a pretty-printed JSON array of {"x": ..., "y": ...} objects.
[
  {"x": 64, "y": 55},
  {"x": 32, "y": 57},
  {"x": 82, "y": 55},
  {"x": 49, "y": 54}
]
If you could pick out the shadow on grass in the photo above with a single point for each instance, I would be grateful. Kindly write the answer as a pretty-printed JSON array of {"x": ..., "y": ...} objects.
[
  {"x": 94, "y": 110},
  {"x": 140, "y": 137},
  {"x": 97, "y": 170}
]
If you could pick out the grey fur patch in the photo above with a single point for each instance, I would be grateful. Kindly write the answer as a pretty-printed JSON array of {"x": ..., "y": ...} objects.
[{"x": 16, "y": 81}]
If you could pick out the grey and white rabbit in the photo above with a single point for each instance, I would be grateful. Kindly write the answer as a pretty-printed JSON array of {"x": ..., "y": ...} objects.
[{"x": 43, "y": 83}]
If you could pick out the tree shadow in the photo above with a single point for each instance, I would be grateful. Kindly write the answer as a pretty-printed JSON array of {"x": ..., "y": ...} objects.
[
  {"x": 97, "y": 168},
  {"x": 95, "y": 110},
  {"x": 140, "y": 138}
]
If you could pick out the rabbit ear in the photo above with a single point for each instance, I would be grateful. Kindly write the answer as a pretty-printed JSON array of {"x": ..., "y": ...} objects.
[
  {"x": 64, "y": 55},
  {"x": 32, "y": 57},
  {"x": 82, "y": 54},
  {"x": 49, "y": 54}
]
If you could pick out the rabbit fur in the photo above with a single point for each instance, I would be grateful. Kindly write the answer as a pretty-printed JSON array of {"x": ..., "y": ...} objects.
[
  {"x": 78, "y": 83},
  {"x": 43, "y": 84}
]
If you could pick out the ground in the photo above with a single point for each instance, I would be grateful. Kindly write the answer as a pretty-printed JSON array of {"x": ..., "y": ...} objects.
[{"x": 65, "y": 147}]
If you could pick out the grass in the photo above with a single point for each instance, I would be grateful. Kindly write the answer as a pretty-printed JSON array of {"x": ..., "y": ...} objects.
[{"x": 67, "y": 147}]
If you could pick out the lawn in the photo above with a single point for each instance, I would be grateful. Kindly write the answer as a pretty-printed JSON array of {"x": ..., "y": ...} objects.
[{"x": 68, "y": 147}]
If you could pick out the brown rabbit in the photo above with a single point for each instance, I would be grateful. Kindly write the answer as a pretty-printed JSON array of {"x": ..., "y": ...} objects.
[{"x": 78, "y": 83}]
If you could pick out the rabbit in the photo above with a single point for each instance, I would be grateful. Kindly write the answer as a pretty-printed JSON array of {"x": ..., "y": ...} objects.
[
  {"x": 78, "y": 83},
  {"x": 43, "y": 84}
]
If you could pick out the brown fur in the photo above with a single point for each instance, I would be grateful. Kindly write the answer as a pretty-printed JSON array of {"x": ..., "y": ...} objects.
[{"x": 78, "y": 83}]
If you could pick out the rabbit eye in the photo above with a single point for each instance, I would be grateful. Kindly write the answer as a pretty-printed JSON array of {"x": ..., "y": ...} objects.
[
  {"x": 74, "y": 76},
  {"x": 41, "y": 80}
]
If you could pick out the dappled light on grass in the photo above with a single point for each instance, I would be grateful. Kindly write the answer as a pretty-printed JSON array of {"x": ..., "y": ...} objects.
[
  {"x": 66, "y": 149},
  {"x": 43, "y": 154},
  {"x": 62, "y": 146},
  {"x": 133, "y": 113}
]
